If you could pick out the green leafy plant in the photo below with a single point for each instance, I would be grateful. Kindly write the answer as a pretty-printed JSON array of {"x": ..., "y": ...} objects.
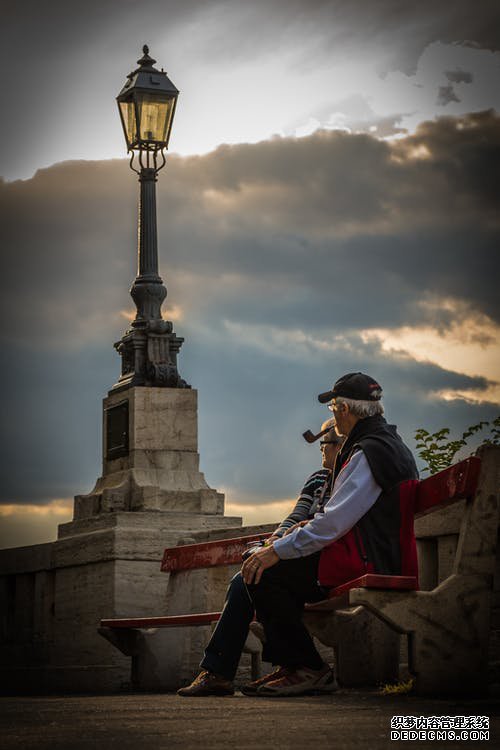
[
  {"x": 438, "y": 451},
  {"x": 398, "y": 688}
]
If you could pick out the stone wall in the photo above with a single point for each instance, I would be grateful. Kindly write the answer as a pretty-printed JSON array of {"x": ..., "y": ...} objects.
[{"x": 52, "y": 597}]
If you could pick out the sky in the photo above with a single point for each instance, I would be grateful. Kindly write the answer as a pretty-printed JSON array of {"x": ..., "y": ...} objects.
[{"x": 329, "y": 204}]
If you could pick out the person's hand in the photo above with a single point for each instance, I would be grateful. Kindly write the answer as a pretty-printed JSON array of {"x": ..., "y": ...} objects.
[
  {"x": 270, "y": 540},
  {"x": 256, "y": 564},
  {"x": 295, "y": 526}
]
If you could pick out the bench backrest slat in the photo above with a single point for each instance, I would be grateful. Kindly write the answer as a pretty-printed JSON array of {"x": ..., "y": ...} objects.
[
  {"x": 448, "y": 486},
  {"x": 207, "y": 554},
  {"x": 452, "y": 484}
]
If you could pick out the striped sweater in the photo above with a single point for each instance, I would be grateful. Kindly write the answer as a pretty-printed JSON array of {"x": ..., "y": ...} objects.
[{"x": 311, "y": 500}]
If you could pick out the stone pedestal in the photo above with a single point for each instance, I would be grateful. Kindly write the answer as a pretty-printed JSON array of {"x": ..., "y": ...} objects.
[
  {"x": 106, "y": 561},
  {"x": 150, "y": 459}
]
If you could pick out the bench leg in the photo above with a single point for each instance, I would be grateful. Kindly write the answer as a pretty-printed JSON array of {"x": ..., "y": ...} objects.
[
  {"x": 448, "y": 632},
  {"x": 256, "y": 666},
  {"x": 159, "y": 658},
  {"x": 253, "y": 646},
  {"x": 124, "y": 639},
  {"x": 366, "y": 649}
]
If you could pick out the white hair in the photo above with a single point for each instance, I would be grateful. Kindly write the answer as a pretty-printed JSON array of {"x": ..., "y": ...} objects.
[{"x": 361, "y": 409}]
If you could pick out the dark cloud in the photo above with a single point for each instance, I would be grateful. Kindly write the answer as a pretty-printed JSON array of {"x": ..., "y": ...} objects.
[
  {"x": 459, "y": 76},
  {"x": 253, "y": 407},
  {"x": 446, "y": 94},
  {"x": 50, "y": 431},
  {"x": 279, "y": 255},
  {"x": 264, "y": 407},
  {"x": 56, "y": 32},
  {"x": 419, "y": 217}
]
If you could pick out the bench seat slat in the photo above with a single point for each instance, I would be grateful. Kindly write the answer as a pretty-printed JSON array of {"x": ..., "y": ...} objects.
[
  {"x": 376, "y": 581},
  {"x": 336, "y": 598},
  {"x": 339, "y": 597},
  {"x": 172, "y": 621}
]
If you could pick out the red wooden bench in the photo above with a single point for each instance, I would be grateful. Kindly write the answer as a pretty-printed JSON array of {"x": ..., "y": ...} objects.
[
  {"x": 191, "y": 557},
  {"x": 393, "y": 599},
  {"x": 452, "y": 484},
  {"x": 458, "y": 482}
]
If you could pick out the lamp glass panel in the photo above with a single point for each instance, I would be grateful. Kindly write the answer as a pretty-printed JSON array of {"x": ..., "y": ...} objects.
[
  {"x": 155, "y": 116},
  {"x": 128, "y": 116}
]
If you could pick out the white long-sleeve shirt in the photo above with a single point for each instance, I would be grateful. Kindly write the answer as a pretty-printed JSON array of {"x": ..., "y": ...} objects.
[{"x": 354, "y": 492}]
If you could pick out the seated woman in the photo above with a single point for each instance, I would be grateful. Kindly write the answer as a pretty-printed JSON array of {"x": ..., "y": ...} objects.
[
  {"x": 357, "y": 530},
  {"x": 223, "y": 652}
]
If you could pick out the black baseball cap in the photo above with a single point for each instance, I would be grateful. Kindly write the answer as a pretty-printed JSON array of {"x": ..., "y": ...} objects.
[{"x": 355, "y": 385}]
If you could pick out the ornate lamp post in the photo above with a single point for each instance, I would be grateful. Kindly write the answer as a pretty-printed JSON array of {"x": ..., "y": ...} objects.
[
  {"x": 151, "y": 492},
  {"x": 149, "y": 347}
]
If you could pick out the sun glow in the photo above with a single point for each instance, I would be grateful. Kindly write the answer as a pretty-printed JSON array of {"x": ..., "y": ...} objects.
[
  {"x": 59, "y": 507},
  {"x": 469, "y": 345},
  {"x": 174, "y": 312}
]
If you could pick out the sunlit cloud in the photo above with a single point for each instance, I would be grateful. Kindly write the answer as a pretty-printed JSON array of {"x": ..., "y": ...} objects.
[
  {"x": 171, "y": 312},
  {"x": 450, "y": 79},
  {"x": 309, "y": 127},
  {"x": 469, "y": 76},
  {"x": 58, "y": 507},
  {"x": 255, "y": 508},
  {"x": 468, "y": 343},
  {"x": 490, "y": 395},
  {"x": 22, "y": 525},
  {"x": 417, "y": 152}
]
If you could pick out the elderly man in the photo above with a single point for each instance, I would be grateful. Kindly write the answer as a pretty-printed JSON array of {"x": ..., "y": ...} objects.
[
  {"x": 357, "y": 532},
  {"x": 223, "y": 652}
]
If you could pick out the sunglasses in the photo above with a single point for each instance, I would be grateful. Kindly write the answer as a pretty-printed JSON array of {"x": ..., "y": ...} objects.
[{"x": 329, "y": 442}]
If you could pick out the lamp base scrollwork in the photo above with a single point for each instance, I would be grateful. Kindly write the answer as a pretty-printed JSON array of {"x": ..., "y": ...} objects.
[
  {"x": 149, "y": 357},
  {"x": 164, "y": 376}
]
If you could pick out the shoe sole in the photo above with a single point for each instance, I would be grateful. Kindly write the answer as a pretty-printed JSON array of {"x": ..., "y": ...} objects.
[
  {"x": 249, "y": 691},
  {"x": 206, "y": 694},
  {"x": 266, "y": 692},
  {"x": 252, "y": 690}
]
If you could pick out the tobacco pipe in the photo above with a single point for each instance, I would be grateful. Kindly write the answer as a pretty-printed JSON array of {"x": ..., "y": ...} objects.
[{"x": 308, "y": 435}]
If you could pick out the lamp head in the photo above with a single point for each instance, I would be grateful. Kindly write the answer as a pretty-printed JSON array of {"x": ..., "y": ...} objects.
[{"x": 147, "y": 105}]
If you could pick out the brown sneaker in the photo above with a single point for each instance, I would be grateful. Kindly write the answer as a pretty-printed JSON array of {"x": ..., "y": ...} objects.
[
  {"x": 302, "y": 681},
  {"x": 208, "y": 683},
  {"x": 252, "y": 687}
]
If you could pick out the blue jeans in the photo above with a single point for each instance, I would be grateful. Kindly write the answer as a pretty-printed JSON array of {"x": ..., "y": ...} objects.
[
  {"x": 223, "y": 652},
  {"x": 278, "y": 600}
]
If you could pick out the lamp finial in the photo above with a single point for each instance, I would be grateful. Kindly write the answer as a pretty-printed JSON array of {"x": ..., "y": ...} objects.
[{"x": 146, "y": 61}]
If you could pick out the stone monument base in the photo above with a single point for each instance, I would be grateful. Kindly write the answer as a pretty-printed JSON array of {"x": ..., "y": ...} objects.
[
  {"x": 150, "y": 458},
  {"x": 106, "y": 561}
]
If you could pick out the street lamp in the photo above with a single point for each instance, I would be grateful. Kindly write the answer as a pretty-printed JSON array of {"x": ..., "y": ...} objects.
[{"x": 149, "y": 347}]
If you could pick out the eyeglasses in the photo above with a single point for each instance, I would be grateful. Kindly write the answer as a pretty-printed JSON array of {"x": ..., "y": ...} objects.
[{"x": 332, "y": 406}]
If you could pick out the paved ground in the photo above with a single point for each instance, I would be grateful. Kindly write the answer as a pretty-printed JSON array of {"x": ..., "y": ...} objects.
[{"x": 347, "y": 720}]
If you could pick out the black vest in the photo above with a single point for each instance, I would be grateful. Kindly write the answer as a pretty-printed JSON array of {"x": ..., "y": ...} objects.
[{"x": 392, "y": 464}]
